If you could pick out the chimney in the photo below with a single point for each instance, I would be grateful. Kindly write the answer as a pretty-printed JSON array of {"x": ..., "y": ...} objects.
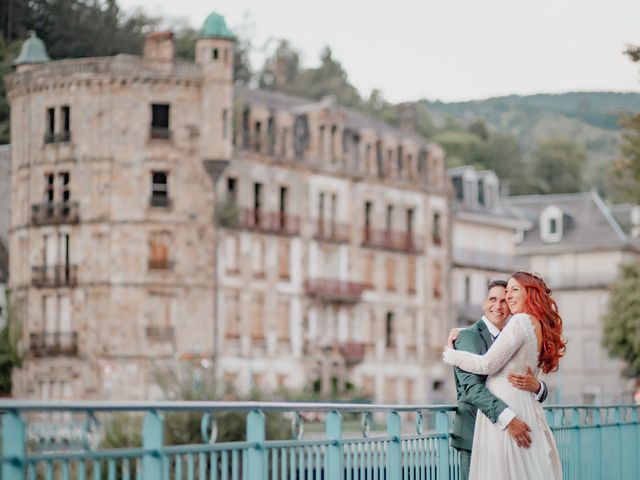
[
  {"x": 158, "y": 47},
  {"x": 408, "y": 117}
]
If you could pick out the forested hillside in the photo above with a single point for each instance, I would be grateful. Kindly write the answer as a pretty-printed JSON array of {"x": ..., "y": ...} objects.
[{"x": 536, "y": 144}]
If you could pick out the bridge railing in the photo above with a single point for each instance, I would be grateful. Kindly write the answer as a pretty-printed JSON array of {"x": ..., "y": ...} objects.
[{"x": 60, "y": 440}]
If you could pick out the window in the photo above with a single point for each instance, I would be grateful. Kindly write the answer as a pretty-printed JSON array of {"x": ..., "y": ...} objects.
[
  {"x": 369, "y": 268},
  {"x": 225, "y": 123},
  {"x": 367, "y": 158},
  {"x": 282, "y": 326},
  {"x": 257, "y": 144},
  {"x": 410, "y": 212},
  {"x": 422, "y": 163},
  {"x": 437, "y": 280},
  {"x": 284, "y": 139},
  {"x": 367, "y": 220},
  {"x": 49, "y": 188},
  {"x": 159, "y": 250},
  {"x": 214, "y": 54},
  {"x": 257, "y": 258},
  {"x": 49, "y": 135},
  {"x": 389, "y": 218},
  {"x": 65, "y": 135},
  {"x": 399, "y": 160},
  {"x": 271, "y": 136},
  {"x": 257, "y": 203},
  {"x": 551, "y": 224},
  {"x": 379, "y": 159},
  {"x": 411, "y": 274},
  {"x": 321, "y": 149},
  {"x": 390, "y": 339},
  {"x": 283, "y": 208},
  {"x": 160, "y": 121},
  {"x": 283, "y": 259},
  {"x": 159, "y": 189},
  {"x": 334, "y": 153},
  {"x": 435, "y": 229},
  {"x": 467, "y": 289},
  {"x": 257, "y": 318},
  {"x": 63, "y": 182},
  {"x": 391, "y": 273},
  {"x": 246, "y": 118},
  {"x": 232, "y": 316},
  {"x": 232, "y": 188},
  {"x": 334, "y": 207}
]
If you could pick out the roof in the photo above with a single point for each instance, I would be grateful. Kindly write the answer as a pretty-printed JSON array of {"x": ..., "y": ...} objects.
[
  {"x": 33, "y": 51},
  {"x": 277, "y": 101},
  {"x": 215, "y": 27},
  {"x": 589, "y": 223}
]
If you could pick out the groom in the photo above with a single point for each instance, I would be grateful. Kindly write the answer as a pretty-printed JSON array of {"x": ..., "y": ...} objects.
[{"x": 471, "y": 392}]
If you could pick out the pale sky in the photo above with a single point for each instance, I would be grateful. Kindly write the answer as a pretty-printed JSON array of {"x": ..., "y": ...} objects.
[{"x": 449, "y": 50}]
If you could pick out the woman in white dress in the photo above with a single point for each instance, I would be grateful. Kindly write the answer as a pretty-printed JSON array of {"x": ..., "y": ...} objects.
[{"x": 532, "y": 338}]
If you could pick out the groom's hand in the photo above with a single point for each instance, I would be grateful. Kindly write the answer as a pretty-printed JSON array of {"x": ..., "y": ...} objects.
[
  {"x": 519, "y": 430},
  {"x": 528, "y": 381}
]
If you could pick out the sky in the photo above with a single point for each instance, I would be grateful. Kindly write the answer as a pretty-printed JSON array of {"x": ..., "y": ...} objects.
[{"x": 448, "y": 50}]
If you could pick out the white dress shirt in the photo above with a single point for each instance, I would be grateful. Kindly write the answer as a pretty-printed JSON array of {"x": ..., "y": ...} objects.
[{"x": 507, "y": 414}]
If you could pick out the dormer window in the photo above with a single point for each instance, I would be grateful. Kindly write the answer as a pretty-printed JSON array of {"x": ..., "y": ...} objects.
[{"x": 551, "y": 224}]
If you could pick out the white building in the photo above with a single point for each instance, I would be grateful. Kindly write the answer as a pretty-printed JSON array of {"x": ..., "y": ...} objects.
[
  {"x": 483, "y": 239},
  {"x": 577, "y": 243}
]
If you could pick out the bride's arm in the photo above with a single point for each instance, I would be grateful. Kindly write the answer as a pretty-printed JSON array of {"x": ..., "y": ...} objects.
[{"x": 507, "y": 343}]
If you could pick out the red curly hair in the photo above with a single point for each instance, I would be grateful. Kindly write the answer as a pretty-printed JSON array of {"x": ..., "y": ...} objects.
[{"x": 542, "y": 306}]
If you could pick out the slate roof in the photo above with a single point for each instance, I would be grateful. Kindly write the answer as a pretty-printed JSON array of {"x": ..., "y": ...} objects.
[
  {"x": 277, "y": 101},
  {"x": 588, "y": 222}
]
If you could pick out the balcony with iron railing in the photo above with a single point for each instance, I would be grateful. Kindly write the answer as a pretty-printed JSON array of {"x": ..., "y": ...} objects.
[
  {"x": 406, "y": 242},
  {"x": 331, "y": 231},
  {"x": 353, "y": 352},
  {"x": 160, "y": 133},
  {"x": 320, "y": 441},
  {"x": 54, "y": 213},
  {"x": 54, "y": 276},
  {"x": 258, "y": 220},
  {"x": 52, "y": 344},
  {"x": 334, "y": 290},
  {"x": 160, "y": 333}
]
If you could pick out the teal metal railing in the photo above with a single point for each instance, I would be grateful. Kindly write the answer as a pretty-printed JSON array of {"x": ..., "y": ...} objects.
[{"x": 46, "y": 440}]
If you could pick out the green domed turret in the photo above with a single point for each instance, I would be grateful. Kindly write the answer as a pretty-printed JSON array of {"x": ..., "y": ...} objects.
[
  {"x": 215, "y": 27},
  {"x": 33, "y": 51}
]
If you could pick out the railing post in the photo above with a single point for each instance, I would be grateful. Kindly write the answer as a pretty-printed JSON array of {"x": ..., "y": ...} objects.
[
  {"x": 576, "y": 441},
  {"x": 597, "y": 423},
  {"x": 442, "y": 428},
  {"x": 333, "y": 430},
  {"x": 256, "y": 432},
  {"x": 394, "y": 455},
  {"x": 152, "y": 442},
  {"x": 13, "y": 446}
]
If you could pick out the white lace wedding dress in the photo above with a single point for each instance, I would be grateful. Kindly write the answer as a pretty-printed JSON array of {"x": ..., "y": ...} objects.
[{"x": 495, "y": 454}]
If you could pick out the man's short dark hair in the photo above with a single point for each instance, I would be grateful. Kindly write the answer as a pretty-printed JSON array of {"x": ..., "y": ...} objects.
[{"x": 496, "y": 283}]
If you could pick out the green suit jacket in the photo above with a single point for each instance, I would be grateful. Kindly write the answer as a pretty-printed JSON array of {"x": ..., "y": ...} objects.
[{"x": 471, "y": 391}]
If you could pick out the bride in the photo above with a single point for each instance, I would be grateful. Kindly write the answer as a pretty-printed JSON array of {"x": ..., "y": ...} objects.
[{"x": 532, "y": 337}]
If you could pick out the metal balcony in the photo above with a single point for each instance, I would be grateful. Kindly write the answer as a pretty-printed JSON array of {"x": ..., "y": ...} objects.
[
  {"x": 55, "y": 213},
  {"x": 51, "y": 344},
  {"x": 334, "y": 290},
  {"x": 331, "y": 232},
  {"x": 353, "y": 352},
  {"x": 260, "y": 221},
  {"x": 406, "y": 242},
  {"x": 156, "y": 333},
  {"x": 160, "y": 133},
  {"x": 54, "y": 276}
]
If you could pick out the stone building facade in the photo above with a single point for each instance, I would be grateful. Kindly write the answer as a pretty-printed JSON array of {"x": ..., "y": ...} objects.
[
  {"x": 162, "y": 216},
  {"x": 5, "y": 212}
]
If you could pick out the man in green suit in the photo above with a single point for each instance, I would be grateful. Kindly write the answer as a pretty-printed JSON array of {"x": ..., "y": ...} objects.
[{"x": 471, "y": 392}]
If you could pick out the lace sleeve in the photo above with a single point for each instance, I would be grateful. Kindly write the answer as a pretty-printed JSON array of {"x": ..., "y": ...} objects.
[{"x": 507, "y": 343}]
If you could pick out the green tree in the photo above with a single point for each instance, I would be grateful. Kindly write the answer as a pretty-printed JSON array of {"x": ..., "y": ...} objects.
[
  {"x": 556, "y": 166},
  {"x": 281, "y": 68},
  {"x": 463, "y": 148},
  {"x": 502, "y": 153},
  {"x": 330, "y": 78},
  {"x": 479, "y": 128},
  {"x": 621, "y": 323},
  {"x": 10, "y": 356}
]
